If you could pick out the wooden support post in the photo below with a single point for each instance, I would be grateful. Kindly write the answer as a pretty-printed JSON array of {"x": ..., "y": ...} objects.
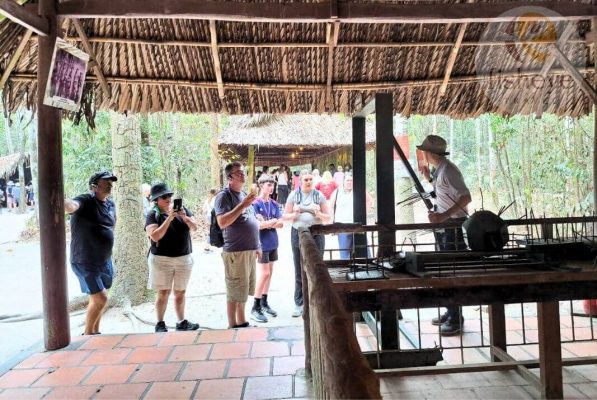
[
  {"x": 497, "y": 329},
  {"x": 550, "y": 350},
  {"x": 384, "y": 161},
  {"x": 216, "y": 57},
  {"x": 594, "y": 28},
  {"x": 359, "y": 152},
  {"x": 51, "y": 190},
  {"x": 15, "y": 58}
]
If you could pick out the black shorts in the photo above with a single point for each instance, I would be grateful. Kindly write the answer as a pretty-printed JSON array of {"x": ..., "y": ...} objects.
[{"x": 268, "y": 257}]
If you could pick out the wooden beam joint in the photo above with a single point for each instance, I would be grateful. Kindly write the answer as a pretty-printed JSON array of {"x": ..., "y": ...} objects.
[{"x": 22, "y": 16}]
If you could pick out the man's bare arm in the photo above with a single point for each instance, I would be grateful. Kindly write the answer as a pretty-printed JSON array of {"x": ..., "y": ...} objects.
[
  {"x": 71, "y": 206},
  {"x": 227, "y": 219}
]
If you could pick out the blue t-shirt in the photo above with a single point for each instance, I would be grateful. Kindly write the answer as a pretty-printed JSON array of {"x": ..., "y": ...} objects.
[
  {"x": 243, "y": 233},
  {"x": 268, "y": 210},
  {"x": 92, "y": 230}
]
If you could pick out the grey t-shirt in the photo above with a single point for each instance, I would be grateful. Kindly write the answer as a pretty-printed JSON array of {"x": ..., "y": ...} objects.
[
  {"x": 308, "y": 203},
  {"x": 449, "y": 186},
  {"x": 243, "y": 233}
]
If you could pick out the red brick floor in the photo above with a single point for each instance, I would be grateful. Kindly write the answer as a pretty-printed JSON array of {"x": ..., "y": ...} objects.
[
  {"x": 226, "y": 364},
  {"x": 264, "y": 363}
]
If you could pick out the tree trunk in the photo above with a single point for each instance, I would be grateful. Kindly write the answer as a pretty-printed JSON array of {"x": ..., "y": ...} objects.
[
  {"x": 478, "y": 143},
  {"x": 130, "y": 245},
  {"x": 491, "y": 161},
  {"x": 7, "y": 134},
  {"x": 215, "y": 162},
  {"x": 451, "y": 139},
  {"x": 23, "y": 192}
]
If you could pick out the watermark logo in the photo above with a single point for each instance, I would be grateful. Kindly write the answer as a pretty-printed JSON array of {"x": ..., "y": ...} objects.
[{"x": 512, "y": 56}]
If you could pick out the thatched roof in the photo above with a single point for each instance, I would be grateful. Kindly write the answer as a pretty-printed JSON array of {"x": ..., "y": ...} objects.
[
  {"x": 171, "y": 64},
  {"x": 9, "y": 164},
  {"x": 290, "y": 139}
]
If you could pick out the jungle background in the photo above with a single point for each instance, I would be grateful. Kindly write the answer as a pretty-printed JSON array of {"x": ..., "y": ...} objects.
[{"x": 540, "y": 164}]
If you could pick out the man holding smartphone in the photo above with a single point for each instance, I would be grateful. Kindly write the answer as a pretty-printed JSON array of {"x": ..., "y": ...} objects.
[
  {"x": 170, "y": 261},
  {"x": 242, "y": 247}
]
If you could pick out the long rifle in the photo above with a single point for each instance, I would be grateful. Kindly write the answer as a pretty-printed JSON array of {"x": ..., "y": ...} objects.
[{"x": 412, "y": 174}]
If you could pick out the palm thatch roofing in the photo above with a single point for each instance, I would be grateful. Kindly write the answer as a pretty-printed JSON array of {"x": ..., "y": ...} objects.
[
  {"x": 288, "y": 139},
  {"x": 10, "y": 163},
  {"x": 316, "y": 64}
]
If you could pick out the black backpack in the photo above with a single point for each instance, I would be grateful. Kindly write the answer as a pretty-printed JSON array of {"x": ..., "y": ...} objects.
[{"x": 216, "y": 236}]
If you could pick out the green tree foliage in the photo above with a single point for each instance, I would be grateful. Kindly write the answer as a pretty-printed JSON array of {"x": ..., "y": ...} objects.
[{"x": 175, "y": 149}]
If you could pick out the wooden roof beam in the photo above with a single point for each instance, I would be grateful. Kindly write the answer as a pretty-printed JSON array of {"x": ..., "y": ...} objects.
[
  {"x": 322, "y": 12},
  {"x": 578, "y": 78},
  {"x": 189, "y": 43},
  {"x": 566, "y": 33},
  {"x": 216, "y": 58},
  {"x": 19, "y": 14},
  {"x": 333, "y": 31},
  {"x": 15, "y": 58},
  {"x": 94, "y": 64},
  {"x": 452, "y": 59},
  {"x": 306, "y": 87}
]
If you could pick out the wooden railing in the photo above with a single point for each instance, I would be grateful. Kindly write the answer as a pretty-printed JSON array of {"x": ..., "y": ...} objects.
[{"x": 333, "y": 359}]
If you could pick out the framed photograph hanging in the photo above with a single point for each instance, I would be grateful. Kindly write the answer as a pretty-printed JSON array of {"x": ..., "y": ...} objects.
[{"x": 67, "y": 76}]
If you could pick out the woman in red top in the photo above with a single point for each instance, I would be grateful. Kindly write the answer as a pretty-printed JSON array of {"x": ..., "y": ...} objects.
[{"x": 327, "y": 185}]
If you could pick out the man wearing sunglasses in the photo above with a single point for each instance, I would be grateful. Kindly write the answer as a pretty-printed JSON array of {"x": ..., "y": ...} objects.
[
  {"x": 92, "y": 220},
  {"x": 242, "y": 247}
]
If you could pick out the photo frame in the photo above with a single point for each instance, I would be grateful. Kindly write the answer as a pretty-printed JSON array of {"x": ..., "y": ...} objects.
[{"x": 67, "y": 76}]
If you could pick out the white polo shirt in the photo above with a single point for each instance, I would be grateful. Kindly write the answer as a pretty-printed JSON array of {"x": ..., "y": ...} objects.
[{"x": 449, "y": 186}]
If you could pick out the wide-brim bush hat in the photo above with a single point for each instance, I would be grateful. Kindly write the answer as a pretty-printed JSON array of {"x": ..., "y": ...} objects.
[
  {"x": 159, "y": 190},
  {"x": 434, "y": 144}
]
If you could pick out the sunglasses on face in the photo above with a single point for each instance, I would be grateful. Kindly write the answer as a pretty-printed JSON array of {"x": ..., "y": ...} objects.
[{"x": 165, "y": 197}]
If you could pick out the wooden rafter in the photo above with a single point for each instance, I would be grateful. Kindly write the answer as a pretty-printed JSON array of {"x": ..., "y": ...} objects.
[
  {"x": 452, "y": 58},
  {"x": 296, "y": 87},
  {"x": 24, "y": 17},
  {"x": 578, "y": 78},
  {"x": 190, "y": 43},
  {"x": 566, "y": 33},
  {"x": 332, "y": 41},
  {"x": 322, "y": 12},
  {"x": 95, "y": 64},
  {"x": 15, "y": 58},
  {"x": 216, "y": 57}
]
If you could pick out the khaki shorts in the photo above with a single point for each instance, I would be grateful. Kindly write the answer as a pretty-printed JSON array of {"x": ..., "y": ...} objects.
[
  {"x": 240, "y": 274},
  {"x": 167, "y": 273}
]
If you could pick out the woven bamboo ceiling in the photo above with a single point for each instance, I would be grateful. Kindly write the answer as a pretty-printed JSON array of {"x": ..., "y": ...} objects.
[{"x": 268, "y": 56}]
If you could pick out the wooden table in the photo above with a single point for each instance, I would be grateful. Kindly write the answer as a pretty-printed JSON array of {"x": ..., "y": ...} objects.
[{"x": 495, "y": 289}]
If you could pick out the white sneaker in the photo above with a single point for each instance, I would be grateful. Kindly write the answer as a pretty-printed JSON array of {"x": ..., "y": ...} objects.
[{"x": 298, "y": 311}]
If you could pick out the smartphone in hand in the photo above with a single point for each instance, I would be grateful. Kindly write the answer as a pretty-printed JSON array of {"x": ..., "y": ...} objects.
[{"x": 177, "y": 204}]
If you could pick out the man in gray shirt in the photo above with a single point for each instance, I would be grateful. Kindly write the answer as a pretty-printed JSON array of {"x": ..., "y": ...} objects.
[
  {"x": 242, "y": 248},
  {"x": 453, "y": 198}
]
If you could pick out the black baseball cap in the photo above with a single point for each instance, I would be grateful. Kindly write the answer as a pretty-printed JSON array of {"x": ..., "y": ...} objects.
[{"x": 102, "y": 175}]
